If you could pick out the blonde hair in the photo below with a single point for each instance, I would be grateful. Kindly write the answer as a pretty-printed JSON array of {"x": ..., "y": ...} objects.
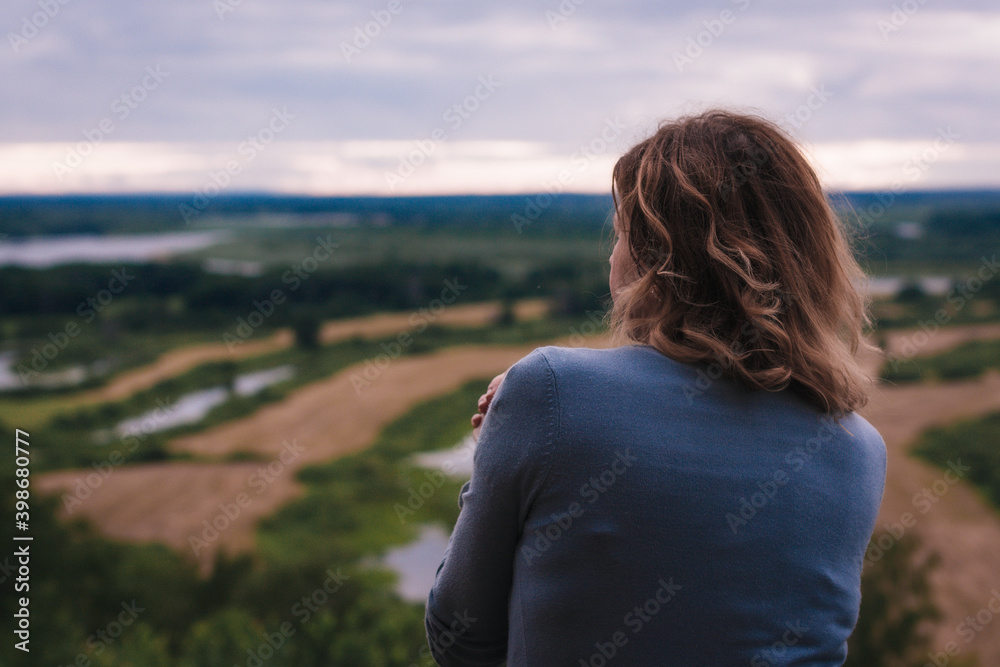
[{"x": 739, "y": 259}]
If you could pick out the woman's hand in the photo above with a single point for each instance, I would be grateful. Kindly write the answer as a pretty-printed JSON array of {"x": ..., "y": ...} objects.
[{"x": 484, "y": 405}]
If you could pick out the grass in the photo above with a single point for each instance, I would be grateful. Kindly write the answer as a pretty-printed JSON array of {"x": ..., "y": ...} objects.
[
  {"x": 356, "y": 506},
  {"x": 968, "y": 360},
  {"x": 976, "y": 442},
  {"x": 67, "y": 427},
  {"x": 33, "y": 413},
  {"x": 978, "y": 309},
  {"x": 35, "y": 407},
  {"x": 131, "y": 348},
  {"x": 915, "y": 268}
]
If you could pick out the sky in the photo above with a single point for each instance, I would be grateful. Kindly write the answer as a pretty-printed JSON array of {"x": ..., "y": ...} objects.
[{"x": 393, "y": 97}]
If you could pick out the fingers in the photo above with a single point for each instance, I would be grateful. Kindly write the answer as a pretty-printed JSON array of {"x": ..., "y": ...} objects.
[
  {"x": 484, "y": 404},
  {"x": 495, "y": 383},
  {"x": 487, "y": 398}
]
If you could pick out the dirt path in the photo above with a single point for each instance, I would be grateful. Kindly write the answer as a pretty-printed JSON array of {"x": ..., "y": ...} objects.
[{"x": 175, "y": 362}]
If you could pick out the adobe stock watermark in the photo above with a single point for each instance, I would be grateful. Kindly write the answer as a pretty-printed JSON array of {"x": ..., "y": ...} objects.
[
  {"x": 100, "y": 640},
  {"x": 417, "y": 496},
  {"x": 419, "y": 320},
  {"x": 7, "y": 569},
  {"x": 302, "y": 611},
  {"x": 775, "y": 653},
  {"x": 924, "y": 500},
  {"x": 913, "y": 169},
  {"x": 87, "y": 311},
  {"x": 296, "y": 274},
  {"x": 365, "y": 34},
  {"x": 803, "y": 113},
  {"x": 901, "y": 13},
  {"x": 454, "y": 116},
  {"x": 594, "y": 324},
  {"x": 247, "y": 151},
  {"x": 749, "y": 335},
  {"x": 32, "y": 25},
  {"x": 795, "y": 460},
  {"x": 261, "y": 478},
  {"x": 704, "y": 39},
  {"x": 590, "y": 491},
  {"x": 967, "y": 631},
  {"x": 121, "y": 108},
  {"x": 130, "y": 441},
  {"x": 561, "y": 14},
  {"x": 744, "y": 170},
  {"x": 634, "y": 621},
  {"x": 741, "y": 171},
  {"x": 958, "y": 296},
  {"x": 441, "y": 639},
  {"x": 225, "y": 7},
  {"x": 581, "y": 159}
]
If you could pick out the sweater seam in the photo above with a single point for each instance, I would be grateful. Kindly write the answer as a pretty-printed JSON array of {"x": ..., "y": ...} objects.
[
  {"x": 552, "y": 399},
  {"x": 552, "y": 391}
]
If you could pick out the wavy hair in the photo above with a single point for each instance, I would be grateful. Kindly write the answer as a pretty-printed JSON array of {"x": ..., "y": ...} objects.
[{"x": 739, "y": 260}]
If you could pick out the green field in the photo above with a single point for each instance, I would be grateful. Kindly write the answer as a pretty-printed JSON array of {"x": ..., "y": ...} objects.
[
  {"x": 391, "y": 255},
  {"x": 968, "y": 360},
  {"x": 348, "y": 515},
  {"x": 977, "y": 443}
]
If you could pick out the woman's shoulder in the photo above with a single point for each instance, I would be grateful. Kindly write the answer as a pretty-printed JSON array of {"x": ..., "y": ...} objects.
[
  {"x": 627, "y": 363},
  {"x": 621, "y": 358},
  {"x": 868, "y": 441}
]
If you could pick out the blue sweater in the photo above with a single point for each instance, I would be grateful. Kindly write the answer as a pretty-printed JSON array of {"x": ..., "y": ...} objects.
[{"x": 628, "y": 509}]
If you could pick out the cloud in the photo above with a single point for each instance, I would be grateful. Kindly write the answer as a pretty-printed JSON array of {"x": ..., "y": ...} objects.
[
  {"x": 355, "y": 72},
  {"x": 409, "y": 167}
]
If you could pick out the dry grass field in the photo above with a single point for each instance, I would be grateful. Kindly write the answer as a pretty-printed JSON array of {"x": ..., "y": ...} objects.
[
  {"x": 960, "y": 526},
  {"x": 168, "y": 502},
  {"x": 181, "y": 360}
]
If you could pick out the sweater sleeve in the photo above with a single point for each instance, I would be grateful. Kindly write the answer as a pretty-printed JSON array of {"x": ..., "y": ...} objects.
[{"x": 467, "y": 610}]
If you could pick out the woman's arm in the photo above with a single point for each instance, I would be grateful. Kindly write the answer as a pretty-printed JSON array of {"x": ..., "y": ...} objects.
[{"x": 467, "y": 610}]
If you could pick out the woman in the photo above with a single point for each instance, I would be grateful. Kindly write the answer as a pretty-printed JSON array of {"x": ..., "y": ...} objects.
[{"x": 702, "y": 494}]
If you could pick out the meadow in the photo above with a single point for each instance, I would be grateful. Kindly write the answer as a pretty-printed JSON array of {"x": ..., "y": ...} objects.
[{"x": 392, "y": 317}]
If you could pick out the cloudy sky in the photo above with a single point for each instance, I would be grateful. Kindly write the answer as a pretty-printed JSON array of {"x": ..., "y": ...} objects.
[{"x": 426, "y": 96}]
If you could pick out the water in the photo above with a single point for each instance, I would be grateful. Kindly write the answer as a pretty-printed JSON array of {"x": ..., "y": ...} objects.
[
  {"x": 46, "y": 251},
  {"x": 10, "y": 378},
  {"x": 232, "y": 267},
  {"x": 249, "y": 384},
  {"x": 456, "y": 462},
  {"x": 889, "y": 286},
  {"x": 188, "y": 409},
  {"x": 192, "y": 407},
  {"x": 417, "y": 562}
]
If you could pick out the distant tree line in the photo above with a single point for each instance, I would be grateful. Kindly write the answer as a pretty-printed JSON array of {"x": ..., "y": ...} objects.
[
  {"x": 131, "y": 214},
  {"x": 182, "y": 295}
]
